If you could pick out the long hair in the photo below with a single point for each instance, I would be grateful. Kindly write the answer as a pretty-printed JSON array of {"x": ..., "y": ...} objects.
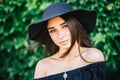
[{"x": 78, "y": 33}]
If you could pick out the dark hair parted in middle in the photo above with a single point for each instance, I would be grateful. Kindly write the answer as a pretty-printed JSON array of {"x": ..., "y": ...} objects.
[{"x": 78, "y": 33}]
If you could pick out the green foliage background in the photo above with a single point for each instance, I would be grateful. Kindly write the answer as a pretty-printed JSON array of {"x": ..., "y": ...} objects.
[{"x": 19, "y": 55}]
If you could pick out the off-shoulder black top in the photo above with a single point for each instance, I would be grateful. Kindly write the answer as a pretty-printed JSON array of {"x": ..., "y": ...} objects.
[{"x": 95, "y": 71}]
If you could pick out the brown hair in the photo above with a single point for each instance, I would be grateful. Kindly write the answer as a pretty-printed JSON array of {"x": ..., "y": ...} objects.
[{"x": 78, "y": 33}]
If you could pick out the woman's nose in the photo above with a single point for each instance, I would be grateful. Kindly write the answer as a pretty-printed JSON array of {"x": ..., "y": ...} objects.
[{"x": 60, "y": 34}]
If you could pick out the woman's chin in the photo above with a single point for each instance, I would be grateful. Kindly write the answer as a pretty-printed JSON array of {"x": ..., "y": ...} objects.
[{"x": 65, "y": 46}]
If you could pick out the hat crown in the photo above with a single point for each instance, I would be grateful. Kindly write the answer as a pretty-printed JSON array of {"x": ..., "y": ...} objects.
[{"x": 56, "y": 9}]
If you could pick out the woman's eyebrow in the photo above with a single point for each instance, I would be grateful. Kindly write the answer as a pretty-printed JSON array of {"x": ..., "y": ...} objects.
[
  {"x": 62, "y": 23},
  {"x": 50, "y": 28}
]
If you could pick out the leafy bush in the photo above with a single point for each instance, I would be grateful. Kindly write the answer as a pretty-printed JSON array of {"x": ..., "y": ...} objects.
[{"x": 19, "y": 55}]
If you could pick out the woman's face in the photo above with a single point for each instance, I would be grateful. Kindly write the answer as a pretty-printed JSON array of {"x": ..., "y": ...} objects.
[{"x": 59, "y": 32}]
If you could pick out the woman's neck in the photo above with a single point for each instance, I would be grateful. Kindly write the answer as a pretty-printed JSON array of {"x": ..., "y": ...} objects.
[{"x": 74, "y": 52}]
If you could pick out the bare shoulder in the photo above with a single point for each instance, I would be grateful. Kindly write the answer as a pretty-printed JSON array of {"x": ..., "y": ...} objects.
[
  {"x": 41, "y": 68},
  {"x": 94, "y": 55}
]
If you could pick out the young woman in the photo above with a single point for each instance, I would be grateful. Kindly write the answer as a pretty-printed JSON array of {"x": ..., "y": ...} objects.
[{"x": 64, "y": 32}]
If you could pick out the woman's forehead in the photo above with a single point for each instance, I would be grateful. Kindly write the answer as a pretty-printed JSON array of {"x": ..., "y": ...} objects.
[{"x": 57, "y": 21}]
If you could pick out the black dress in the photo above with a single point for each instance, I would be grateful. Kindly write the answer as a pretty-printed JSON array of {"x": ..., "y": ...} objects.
[{"x": 95, "y": 71}]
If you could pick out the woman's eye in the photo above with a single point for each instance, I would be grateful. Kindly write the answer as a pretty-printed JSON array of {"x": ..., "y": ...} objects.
[
  {"x": 65, "y": 26},
  {"x": 51, "y": 31}
]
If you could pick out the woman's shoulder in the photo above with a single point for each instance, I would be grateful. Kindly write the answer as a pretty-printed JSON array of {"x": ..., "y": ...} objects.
[
  {"x": 43, "y": 63},
  {"x": 42, "y": 67},
  {"x": 93, "y": 55}
]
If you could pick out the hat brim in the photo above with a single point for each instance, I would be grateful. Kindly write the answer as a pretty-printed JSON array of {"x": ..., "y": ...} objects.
[{"x": 85, "y": 17}]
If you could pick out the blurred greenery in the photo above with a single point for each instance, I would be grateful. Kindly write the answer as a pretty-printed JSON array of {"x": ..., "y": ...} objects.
[{"x": 19, "y": 55}]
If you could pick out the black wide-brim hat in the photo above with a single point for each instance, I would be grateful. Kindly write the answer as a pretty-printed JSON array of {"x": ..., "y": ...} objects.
[{"x": 37, "y": 30}]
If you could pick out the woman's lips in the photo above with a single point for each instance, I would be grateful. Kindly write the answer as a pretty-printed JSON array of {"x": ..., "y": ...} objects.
[{"x": 63, "y": 42}]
